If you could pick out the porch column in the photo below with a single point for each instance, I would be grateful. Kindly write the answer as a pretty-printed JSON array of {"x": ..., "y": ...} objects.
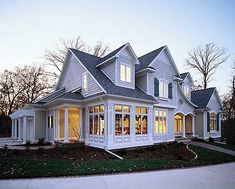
[
  {"x": 12, "y": 128},
  {"x": 56, "y": 125},
  {"x": 15, "y": 130},
  {"x": 66, "y": 124},
  {"x": 184, "y": 130},
  {"x": 80, "y": 125},
  {"x": 19, "y": 127},
  {"x": 193, "y": 125},
  {"x": 24, "y": 129}
]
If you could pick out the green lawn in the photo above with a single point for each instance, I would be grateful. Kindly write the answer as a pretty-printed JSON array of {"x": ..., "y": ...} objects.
[
  {"x": 22, "y": 168},
  {"x": 226, "y": 146}
]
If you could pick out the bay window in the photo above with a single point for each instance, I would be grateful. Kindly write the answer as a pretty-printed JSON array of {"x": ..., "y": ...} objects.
[
  {"x": 96, "y": 120},
  {"x": 125, "y": 73},
  {"x": 122, "y": 120},
  {"x": 161, "y": 122},
  {"x": 141, "y": 121}
]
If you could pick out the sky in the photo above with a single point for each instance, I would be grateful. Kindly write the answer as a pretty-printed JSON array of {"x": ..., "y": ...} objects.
[{"x": 28, "y": 28}]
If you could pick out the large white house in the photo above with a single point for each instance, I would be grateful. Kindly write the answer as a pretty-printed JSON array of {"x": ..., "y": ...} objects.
[{"x": 120, "y": 101}]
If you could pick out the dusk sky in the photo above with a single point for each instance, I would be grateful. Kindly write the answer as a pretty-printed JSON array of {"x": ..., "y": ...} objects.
[{"x": 28, "y": 28}]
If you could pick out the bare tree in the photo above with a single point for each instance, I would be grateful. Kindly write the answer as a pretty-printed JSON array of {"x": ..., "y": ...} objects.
[
  {"x": 55, "y": 58},
  {"x": 21, "y": 86},
  {"x": 206, "y": 60}
]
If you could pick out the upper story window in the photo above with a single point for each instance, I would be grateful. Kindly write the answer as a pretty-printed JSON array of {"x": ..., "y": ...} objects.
[
  {"x": 125, "y": 73},
  {"x": 84, "y": 83},
  {"x": 163, "y": 89},
  {"x": 187, "y": 91}
]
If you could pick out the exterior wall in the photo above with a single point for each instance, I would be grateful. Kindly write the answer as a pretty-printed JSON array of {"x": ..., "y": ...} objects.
[
  {"x": 40, "y": 124},
  {"x": 199, "y": 124},
  {"x": 170, "y": 135},
  {"x": 182, "y": 105},
  {"x": 73, "y": 77},
  {"x": 164, "y": 71},
  {"x": 125, "y": 59},
  {"x": 109, "y": 70},
  {"x": 30, "y": 129},
  {"x": 142, "y": 82}
]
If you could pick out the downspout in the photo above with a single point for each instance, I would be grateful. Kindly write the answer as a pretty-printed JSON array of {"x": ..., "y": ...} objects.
[{"x": 119, "y": 157}]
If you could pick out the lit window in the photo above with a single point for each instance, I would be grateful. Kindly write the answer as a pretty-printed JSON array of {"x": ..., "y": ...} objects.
[
  {"x": 50, "y": 122},
  {"x": 96, "y": 120},
  {"x": 178, "y": 122},
  {"x": 213, "y": 120},
  {"x": 186, "y": 90},
  {"x": 163, "y": 89},
  {"x": 84, "y": 87},
  {"x": 122, "y": 120},
  {"x": 125, "y": 73},
  {"x": 160, "y": 122},
  {"x": 141, "y": 121}
]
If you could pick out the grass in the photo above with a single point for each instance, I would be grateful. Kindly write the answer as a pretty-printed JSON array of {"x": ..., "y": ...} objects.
[
  {"x": 226, "y": 146},
  {"x": 28, "y": 168}
]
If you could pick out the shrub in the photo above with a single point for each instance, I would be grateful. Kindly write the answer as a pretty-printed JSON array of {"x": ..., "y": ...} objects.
[
  {"x": 211, "y": 140},
  {"x": 41, "y": 141},
  {"x": 40, "y": 150},
  {"x": 5, "y": 147},
  {"x": 27, "y": 149},
  {"x": 28, "y": 143},
  {"x": 122, "y": 152}
]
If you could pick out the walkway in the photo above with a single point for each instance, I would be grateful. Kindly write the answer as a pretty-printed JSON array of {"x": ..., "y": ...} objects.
[
  {"x": 217, "y": 176},
  {"x": 212, "y": 147}
]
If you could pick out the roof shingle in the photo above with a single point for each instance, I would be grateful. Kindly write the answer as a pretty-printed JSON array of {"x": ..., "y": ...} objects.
[{"x": 202, "y": 97}]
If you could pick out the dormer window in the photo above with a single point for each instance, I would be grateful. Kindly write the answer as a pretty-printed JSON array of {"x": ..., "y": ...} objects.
[
  {"x": 125, "y": 73},
  {"x": 84, "y": 83}
]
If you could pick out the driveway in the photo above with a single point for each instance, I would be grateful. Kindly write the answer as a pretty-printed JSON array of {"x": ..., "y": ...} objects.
[{"x": 217, "y": 176}]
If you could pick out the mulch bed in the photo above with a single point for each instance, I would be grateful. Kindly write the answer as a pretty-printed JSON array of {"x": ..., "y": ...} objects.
[
  {"x": 82, "y": 153},
  {"x": 169, "y": 151}
]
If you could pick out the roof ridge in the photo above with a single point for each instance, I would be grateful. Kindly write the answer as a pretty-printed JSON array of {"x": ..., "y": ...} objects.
[
  {"x": 204, "y": 89},
  {"x": 86, "y": 53},
  {"x": 152, "y": 51}
]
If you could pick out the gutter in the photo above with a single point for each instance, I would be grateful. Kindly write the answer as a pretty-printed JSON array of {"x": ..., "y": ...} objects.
[{"x": 119, "y": 157}]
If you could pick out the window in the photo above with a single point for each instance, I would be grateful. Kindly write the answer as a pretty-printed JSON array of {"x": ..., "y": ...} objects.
[
  {"x": 213, "y": 120},
  {"x": 125, "y": 73},
  {"x": 122, "y": 120},
  {"x": 141, "y": 121},
  {"x": 178, "y": 122},
  {"x": 186, "y": 90},
  {"x": 84, "y": 83},
  {"x": 96, "y": 120},
  {"x": 163, "y": 89},
  {"x": 160, "y": 122},
  {"x": 50, "y": 122}
]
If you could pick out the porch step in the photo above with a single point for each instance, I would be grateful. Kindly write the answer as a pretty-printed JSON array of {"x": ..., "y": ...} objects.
[{"x": 181, "y": 139}]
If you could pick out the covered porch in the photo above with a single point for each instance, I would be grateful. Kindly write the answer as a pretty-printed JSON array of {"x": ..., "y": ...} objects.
[
  {"x": 23, "y": 125},
  {"x": 184, "y": 125}
]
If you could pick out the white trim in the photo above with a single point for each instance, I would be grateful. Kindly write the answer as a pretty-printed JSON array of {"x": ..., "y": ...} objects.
[
  {"x": 180, "y": 89},
  {"x": 145, "y": 70},
  {"x": 87, "y": 71},
  {"x": 218, "y": 98}
]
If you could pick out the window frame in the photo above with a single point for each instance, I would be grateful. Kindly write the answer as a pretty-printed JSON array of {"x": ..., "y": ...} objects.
[
  {"x": 92, "y": 114},
  {"x": 141, "y": 115},
  {"x": 163, "y": 89},
  {"x": 186, "y": 91},
  {"x": 166, "y": 120},
  {"x": 213, "y": 128},
  {"x": 125, "y": 73},
  {"x": 122, "y": 113}
]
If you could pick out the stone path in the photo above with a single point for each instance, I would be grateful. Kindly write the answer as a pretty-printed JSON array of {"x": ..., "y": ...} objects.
[
  {"x": 212, "y": 147},
  {"x": 216, "y": 177}
]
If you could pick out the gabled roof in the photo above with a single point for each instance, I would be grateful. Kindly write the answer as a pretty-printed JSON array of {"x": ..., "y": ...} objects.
[
  {"x": 146, "y": 59},
  {"x": 184, "y": 75},
  {"x": 110, "y": 55},
  {"x": 202, "y": 97},
  {"x": 90, "y": 62}
]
